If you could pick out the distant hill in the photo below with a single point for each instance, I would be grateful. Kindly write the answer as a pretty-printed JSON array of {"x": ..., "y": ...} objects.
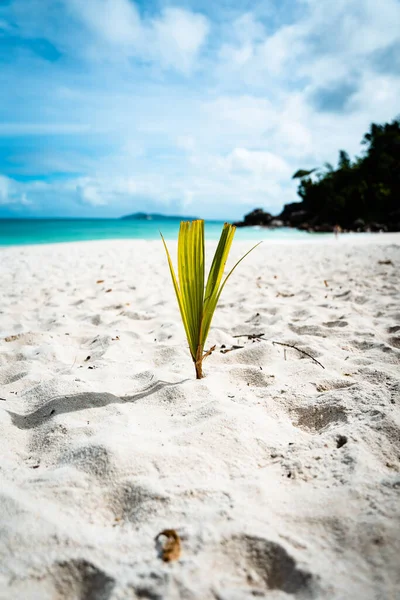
[{"x": 140, "y": 216}]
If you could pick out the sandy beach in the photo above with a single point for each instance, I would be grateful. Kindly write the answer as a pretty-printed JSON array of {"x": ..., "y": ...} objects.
[{"x": 279, "y": 470}]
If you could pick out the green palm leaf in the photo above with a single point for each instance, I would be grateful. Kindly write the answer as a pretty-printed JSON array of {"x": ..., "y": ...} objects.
[{"x": 196, "y": 304}]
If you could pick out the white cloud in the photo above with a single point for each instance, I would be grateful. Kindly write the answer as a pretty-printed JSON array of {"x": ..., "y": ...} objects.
[
  {"x": 256, "y": 162},
  {"x": 178, "y": 36},
  {"x": 4, "y": 189},
  {"x": 329, "y": 40},
  {"x": 247, "y": 114},
  {"x": 172, "y": 39},
  {"x": 90, "y": 193},
  {"x": 378, "y": 94},
  {"x": 116, "y": 22},
  {"x": 353, "y": 27},
  {"x": 258, "y": 100},
  {"x": 11, "y": 192}
]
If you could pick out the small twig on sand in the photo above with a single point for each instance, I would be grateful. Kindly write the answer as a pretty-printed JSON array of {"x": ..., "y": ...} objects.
[
  {"x": 210, "y": 351},
  {"x": 385, "y": 262},
  {"x": 250, "y": 336},
  {"x": 225, "y": 350},
  {"x": 301, "y": 351}
]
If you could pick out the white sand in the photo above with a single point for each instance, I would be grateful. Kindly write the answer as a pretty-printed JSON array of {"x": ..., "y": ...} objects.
[{"x": 281, "y": 477}]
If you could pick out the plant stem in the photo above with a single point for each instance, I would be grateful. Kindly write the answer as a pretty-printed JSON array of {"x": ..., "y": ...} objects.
[{"x": 198, "y": 362}]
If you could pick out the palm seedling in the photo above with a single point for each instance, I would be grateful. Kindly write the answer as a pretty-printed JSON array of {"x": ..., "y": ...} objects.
[{"x": 197, "y": 302}]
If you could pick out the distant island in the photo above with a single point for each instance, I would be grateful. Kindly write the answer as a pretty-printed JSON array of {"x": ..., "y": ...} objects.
[
  {"x": 359, "y": 195},
  {"x": 140, "y": 216}
]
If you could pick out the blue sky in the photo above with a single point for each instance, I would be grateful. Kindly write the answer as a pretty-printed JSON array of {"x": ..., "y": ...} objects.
[{"x": 192, "y": 107}]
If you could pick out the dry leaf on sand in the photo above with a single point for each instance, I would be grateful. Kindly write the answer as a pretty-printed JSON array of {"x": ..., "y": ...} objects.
[
  {"x": 12, "y": 338},
  {"x": 385, "y": 262},
  {"x": 171, "y": 547}
]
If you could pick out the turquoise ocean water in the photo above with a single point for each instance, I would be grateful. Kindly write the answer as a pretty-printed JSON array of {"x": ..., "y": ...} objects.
[{"x": 46, "y": 231}]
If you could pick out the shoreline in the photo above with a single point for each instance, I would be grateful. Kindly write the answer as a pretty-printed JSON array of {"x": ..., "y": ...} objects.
[{"x": 315, "y": 238}]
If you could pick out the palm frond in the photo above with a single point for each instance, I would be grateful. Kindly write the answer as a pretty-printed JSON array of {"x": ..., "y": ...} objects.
[
  {"x": 211, "y": 305},
  {"x": 196, "y": 304},
  {"x": 191, "y": 276}
]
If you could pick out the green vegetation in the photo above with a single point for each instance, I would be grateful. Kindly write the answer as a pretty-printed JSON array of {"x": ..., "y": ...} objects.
[
  {"x": 364, "y": 193},
  {"x": 196, "y": 302}
]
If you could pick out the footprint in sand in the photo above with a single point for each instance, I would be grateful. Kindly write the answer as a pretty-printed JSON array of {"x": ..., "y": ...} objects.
[
  {"x": 318, "y": 418},
  {"x": 80, "y": 579},
  {"x": 265, "y": 565}
]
